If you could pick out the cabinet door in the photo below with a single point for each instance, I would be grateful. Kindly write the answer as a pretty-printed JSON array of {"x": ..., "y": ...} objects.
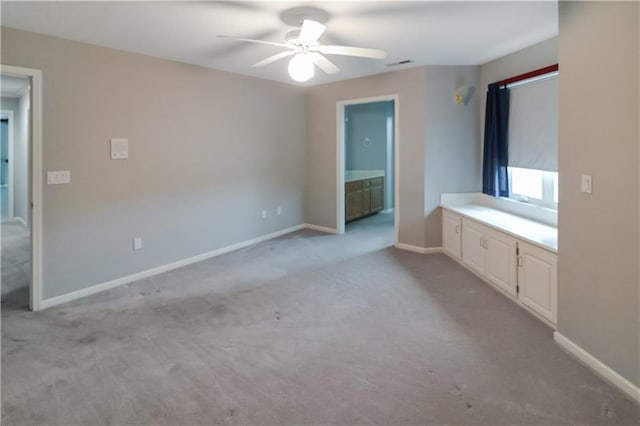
[
  {"x": 501, "y": 260},
  {"x": 353, "y": 203},
  {"x": 377, "y": 197},
  {"x": 451, "y": 226},
  {"x": 366, "y": 201},
  {"x": 473, "y": 252},
  {"x": 537, "y": 277}
]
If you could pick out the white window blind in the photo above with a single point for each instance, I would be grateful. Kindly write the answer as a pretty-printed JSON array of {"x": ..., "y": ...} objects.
[{"x": 533, "y": 125}]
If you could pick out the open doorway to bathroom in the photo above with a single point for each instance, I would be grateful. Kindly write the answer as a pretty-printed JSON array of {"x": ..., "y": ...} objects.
[
  {"x": 15, "y": 225},
  {"x": 367, "y": 166}
]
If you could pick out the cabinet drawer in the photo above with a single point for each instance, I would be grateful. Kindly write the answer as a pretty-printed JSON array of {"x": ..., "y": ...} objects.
[
  {"x": 353, "y": 186},
  {"x": 376, "y": 181}
]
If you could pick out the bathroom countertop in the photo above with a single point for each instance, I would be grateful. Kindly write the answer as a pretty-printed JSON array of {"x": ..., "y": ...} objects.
[{"x": 353, "y": 175}]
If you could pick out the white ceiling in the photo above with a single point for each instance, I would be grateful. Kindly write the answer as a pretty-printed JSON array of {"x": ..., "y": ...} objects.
[
  {"x": 11, "y": 87},
  {"x": 427, "y": 32}
]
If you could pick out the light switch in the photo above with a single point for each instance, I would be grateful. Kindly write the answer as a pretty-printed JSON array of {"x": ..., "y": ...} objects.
[
  {"x": 586, "y": 184},
  {"x": 58, "y": 177},
  {"x": 119, "y": 149}
]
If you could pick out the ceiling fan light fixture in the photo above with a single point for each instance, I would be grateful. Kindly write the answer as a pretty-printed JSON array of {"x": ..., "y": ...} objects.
[{"x": 301, "y": 67}]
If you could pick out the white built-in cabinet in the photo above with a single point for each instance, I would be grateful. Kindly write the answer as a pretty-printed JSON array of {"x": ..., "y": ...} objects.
[
  {"x": 538, "y": 278},
  {"x": 451, "y": 227},
  {"x": 491, "y": 254},
  {"x": 523, "y": 271},
  {"x": 473, "y": 246},
  {"x": 501, "y": 261}
]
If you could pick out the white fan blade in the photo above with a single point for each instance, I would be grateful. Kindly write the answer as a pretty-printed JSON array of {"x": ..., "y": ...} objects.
[
  {"x": 311, "y": 31},
  {"x": 362, "y": 52},
  {"x": 273, "y": 58},
  {"x": 323, "y": 63},
  {"x": 271, "y": 43}
]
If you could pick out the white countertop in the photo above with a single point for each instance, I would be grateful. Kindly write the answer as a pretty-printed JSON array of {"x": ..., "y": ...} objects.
[
  {"x": 353, "y": 175},
  {"x": 539, "y": 234}
]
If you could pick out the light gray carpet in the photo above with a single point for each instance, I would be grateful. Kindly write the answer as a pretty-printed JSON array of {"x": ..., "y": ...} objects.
[{"x": 304, "y": 329}]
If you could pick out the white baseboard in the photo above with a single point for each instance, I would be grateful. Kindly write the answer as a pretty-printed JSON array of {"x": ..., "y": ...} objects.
[
  {"x": 598, "y": 366},
  {"x": 320, "y": 228},
  {"x": 160, "y": 269},
  {"x": 417, "y": 249}
]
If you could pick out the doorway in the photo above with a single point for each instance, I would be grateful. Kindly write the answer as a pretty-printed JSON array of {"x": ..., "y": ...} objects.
[
  {"x": 367, "y": 164},
  {"x": 20, "y": 174},
  {"x": 6, "y": 163}
]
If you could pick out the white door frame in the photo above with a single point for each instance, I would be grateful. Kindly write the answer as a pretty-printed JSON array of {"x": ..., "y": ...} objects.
[
  {"x": 340, "y": 144},
  {"x": 8, "y": 114},
  {"x": 35, "y": 287}
]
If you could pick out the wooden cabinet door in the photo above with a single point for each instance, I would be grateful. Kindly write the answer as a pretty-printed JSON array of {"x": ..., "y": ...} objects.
[
  {"x": 353, "y": 203},
  {"x": 366, "y": 201},
  {"x": 473, "y": 252},
  {"x": 352, "y": 200},
  {"x": 500, "y": 264},
  {"x": 377, "y": 198},
  {"x": 537, "y": 277},
  {"x": 451, "y": 237}
]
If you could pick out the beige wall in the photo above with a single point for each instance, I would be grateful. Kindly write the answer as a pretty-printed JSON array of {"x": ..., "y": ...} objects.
[
  {"x": 452, "y": 147},
  {"x": 321, "y": 146},
  {"x": 436, "y": 137},
  {"x": 208, "y": 151},
  {"x": 598, "y": 277},
  {"x": 199, "y": 175}
]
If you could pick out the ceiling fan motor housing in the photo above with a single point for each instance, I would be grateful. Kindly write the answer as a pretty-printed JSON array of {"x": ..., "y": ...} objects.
[
  {"x": 293, "y": 37},
  {"x": 294, "y": 16}
]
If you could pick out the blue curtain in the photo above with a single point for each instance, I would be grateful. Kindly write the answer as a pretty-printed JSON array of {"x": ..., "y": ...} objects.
[{"x": 496, "y": 153}]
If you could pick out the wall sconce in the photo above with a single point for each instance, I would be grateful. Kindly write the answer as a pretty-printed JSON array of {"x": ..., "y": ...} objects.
[{"x": 464, "y": 94}]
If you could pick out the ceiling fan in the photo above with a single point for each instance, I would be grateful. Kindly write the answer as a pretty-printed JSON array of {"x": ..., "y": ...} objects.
[{"x": 303, "y": 45}]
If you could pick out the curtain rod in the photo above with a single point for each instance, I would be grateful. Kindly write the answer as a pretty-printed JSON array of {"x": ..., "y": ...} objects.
[{"x": 528, "y": 75}]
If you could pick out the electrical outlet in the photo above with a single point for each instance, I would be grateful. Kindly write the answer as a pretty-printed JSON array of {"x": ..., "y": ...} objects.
[
  {"x": 279, "y": 210},
  {"x": 137, "y": 243},
  {"x": 264, "y": 214}
]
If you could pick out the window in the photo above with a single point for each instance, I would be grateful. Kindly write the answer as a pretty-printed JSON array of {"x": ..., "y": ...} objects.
[
  {"x": 533, "y": 141},
  {"x": 533, "y": 123},
  {"x": 537, "y": 187}
]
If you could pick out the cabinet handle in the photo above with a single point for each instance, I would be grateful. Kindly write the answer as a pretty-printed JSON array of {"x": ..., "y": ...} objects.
[
  {"x": 520, "y": 261},
  {"x": 457, "y": 229}
]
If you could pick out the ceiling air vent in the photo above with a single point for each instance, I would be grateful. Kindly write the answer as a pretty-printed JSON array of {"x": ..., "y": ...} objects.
[{"x": 395, "y": 64}]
